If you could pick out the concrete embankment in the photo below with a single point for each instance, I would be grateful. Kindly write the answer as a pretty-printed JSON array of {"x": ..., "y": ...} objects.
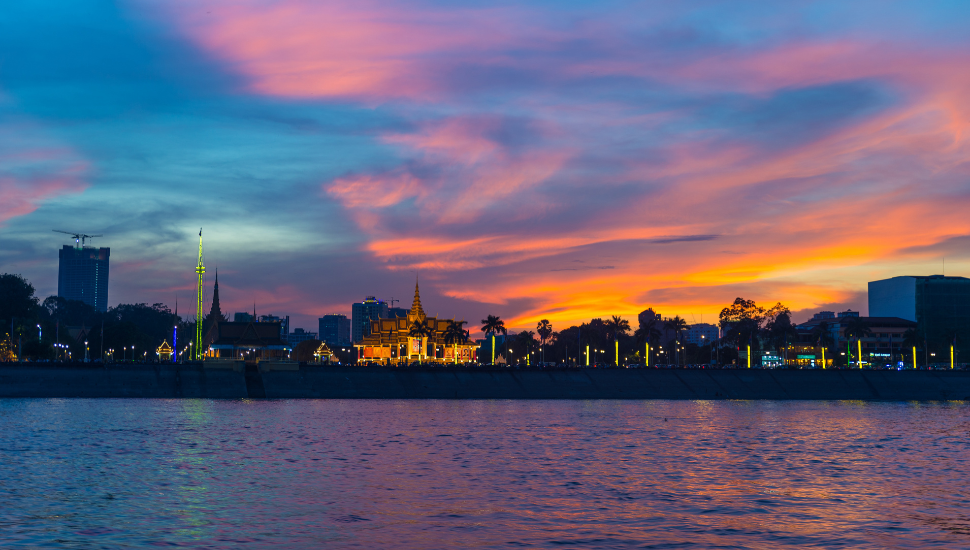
[{"x": 345, "y": 382}]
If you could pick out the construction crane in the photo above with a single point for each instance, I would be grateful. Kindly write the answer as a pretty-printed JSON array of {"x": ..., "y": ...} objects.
[{"x": 79, "y": 238}]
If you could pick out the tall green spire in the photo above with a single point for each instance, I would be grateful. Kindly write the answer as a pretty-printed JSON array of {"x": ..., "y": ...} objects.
[{"x": 200, "y": 270}]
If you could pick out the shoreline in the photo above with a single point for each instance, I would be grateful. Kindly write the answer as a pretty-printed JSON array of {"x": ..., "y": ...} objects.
[{"x": 237, "y": 380}]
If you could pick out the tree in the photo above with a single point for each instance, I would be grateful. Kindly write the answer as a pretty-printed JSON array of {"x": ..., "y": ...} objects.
[
  {"x": 822, "y": 336},
  {"x": 305, "y": 351},
  {"x": 456, "y": 334},
  {"x": 491, "y": 326},
  {"x": 616, "y": 327},
  {"x": 649, "y": 330},
  {"x": 742, "y": 320},
  {"x": 677, "y": 325},
  {"x": 781, "y": 331},
  {"x": 17, "y": 298},
  {"x": 420, "y": 330},
  {"x": 544, "y": 330},
  {"x": 524, "y": 342},
  {"x": 858, "y": 328}
]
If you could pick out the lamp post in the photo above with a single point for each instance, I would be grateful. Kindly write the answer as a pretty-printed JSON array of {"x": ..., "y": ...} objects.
[
  {"x": 587, "y": 355},
  {"x": 914, "y": 357}
]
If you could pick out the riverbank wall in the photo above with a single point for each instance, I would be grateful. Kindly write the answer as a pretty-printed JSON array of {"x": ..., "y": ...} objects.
[{"x": 238, "y": 380}]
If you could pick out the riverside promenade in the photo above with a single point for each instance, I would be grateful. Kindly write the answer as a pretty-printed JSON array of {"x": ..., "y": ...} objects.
[{"x": 291, "y": 380}]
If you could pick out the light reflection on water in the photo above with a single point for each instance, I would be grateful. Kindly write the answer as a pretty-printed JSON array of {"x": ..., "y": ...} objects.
[{"x": 483, "y": 474}]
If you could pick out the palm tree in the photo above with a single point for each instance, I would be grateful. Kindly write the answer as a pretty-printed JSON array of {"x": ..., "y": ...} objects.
[
  {"x": 616, "y": 326},
  {"x": 456, "y": 334},
  {"x": 648, "y": 333},
  {"x": 858, "y": 328},
  {"x": 491, "y": 326},
  {"x": 419, "y": 330},
  {"x": 526, "y": 339},
  {"x": 544, "y": 329},
  {"x": 822, "y": 336},
  {"x": 678, "y": 326}
]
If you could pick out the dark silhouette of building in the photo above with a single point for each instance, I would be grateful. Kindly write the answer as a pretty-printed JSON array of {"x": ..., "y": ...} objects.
[
  {"x": 248, "y": 339},
  {"x": 362, "y": 313},
  {"x": 83, "y": 275},
  {"x": 335, "y": 329}
]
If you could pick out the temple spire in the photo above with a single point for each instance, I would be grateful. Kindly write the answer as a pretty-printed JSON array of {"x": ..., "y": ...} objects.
[
  {"x": 416, "y": 310},
  {"x": 215, "y": 314}
]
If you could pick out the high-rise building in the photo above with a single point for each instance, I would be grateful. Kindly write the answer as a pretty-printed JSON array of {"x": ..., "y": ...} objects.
[
  {"x": 362, "y": 313},
  {"x": 335, "y": 329},
  {"x": 83, "y": 275},
  {"x": 940, "y": 306}
]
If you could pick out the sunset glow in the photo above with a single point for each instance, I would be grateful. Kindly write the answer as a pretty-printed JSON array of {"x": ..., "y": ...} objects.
[{"x": 528, "y": 160}]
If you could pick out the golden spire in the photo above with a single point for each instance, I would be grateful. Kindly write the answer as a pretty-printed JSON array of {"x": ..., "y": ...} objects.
[{"x": 417, "y": 311}]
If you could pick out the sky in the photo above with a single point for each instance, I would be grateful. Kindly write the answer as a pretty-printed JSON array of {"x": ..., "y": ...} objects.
[{"x": 532, "y": 160}]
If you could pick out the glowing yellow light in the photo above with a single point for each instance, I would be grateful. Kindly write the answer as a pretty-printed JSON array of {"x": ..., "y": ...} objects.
[
  {"x": 617, "y": 343},
  {"x": 749, "y": 356},
  {"x": 859, "y": 341},
  {"x": 951, "y": 357},
  {"x": 648, "y": 355},
  {"x": 587, "y": 355},
  {"x": 914, "y": 357}
]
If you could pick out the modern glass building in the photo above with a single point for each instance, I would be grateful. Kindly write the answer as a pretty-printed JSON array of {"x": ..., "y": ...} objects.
[
  {"x": 83, "y": 275},
  {"x": 361, "y": 315},
  {"x": 940, "y": 306}
]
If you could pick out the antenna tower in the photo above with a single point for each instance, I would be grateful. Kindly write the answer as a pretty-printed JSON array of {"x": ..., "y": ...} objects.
[{"x": 200, "y": 270}]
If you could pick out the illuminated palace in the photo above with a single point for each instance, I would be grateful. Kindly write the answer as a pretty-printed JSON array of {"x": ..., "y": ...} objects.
[{"x": 414, "y": 338}]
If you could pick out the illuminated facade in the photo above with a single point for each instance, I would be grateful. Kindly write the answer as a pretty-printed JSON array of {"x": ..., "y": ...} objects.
[
  {"x": 412, "y": 338},
  {"x": 164, "y": 351}
]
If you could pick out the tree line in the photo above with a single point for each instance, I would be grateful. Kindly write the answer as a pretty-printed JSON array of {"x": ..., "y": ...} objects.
[{"x": 56, "y": 328}]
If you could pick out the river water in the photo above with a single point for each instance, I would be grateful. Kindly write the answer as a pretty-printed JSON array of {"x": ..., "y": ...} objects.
[{"x": 115, "y": 473}]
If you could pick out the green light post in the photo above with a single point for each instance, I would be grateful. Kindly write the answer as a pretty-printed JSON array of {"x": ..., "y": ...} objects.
[{"x": 200, "y": 270}]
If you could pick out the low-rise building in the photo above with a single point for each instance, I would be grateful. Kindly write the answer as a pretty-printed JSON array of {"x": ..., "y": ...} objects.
[{"x": 299, "y": 335}]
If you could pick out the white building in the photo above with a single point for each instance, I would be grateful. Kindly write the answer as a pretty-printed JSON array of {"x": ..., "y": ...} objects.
[{"x": 701, "y": 334}]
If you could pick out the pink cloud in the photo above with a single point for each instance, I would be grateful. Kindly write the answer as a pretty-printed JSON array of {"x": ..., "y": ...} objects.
[
  {"x": 33, "y": 171},
  {"x": 361, "y": 50}
]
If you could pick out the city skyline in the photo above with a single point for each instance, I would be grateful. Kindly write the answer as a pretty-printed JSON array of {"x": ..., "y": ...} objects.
[{"x": 532, "y": 161}]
